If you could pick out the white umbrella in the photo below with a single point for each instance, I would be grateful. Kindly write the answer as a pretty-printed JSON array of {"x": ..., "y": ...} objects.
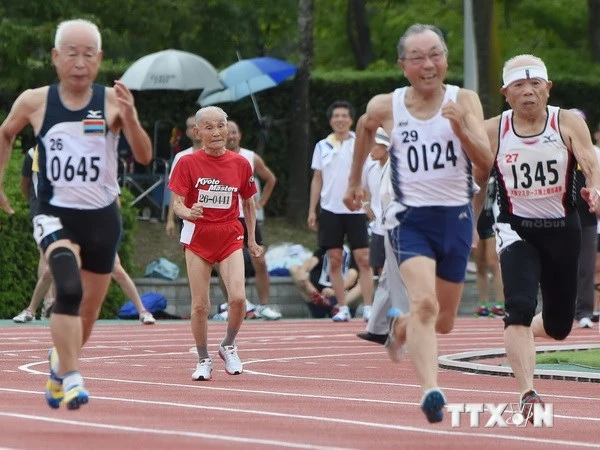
[{"x": 173, "y": 70}]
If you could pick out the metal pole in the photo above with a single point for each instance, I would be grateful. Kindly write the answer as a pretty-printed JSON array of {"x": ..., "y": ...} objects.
[
  {"x": 256, "y": 110},
  {"x": 470, "y": 49}
]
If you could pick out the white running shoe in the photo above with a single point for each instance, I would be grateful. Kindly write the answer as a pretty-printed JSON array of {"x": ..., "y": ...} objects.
[
  {"x": 583, "y": 323},
  {"x": 24, "y": 316},
  {"x": 147, "y": 318},
  {"x": 343, "y": 315},
  {"x": 203, "y": 370},
  {"x": 233, "y": 364},
  {"x": 267, "y": 313},
  {"x": 366, "y": 312}
]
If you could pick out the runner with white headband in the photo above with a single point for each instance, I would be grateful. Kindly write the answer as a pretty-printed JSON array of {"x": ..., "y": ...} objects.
[{"x": 538, "y": 232}]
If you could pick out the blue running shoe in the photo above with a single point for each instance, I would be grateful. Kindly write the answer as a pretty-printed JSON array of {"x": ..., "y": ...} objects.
[
  {"x": 54, "y": 389},
  {"x": 432, "y": 404},
  {"x": 75, "y": 397}
]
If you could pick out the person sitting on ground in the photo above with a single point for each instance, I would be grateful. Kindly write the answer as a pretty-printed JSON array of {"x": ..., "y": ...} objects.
[{"x": 312, "y": 279}]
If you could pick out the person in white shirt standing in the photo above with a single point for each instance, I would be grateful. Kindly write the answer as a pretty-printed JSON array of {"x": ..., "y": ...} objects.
[
  {"x": 190, "y": 123},
  {"x": 260, "y": 168},
  {"x": 331, "y": 163}
]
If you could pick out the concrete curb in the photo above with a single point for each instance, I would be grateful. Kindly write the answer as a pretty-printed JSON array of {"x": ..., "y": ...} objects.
[{"x": 464, "y": 362}]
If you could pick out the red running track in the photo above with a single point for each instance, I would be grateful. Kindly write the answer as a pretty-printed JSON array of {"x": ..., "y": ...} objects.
[{"x": 306, "y": 384}]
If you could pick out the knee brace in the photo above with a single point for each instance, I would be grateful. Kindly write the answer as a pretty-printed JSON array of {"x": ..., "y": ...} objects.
[
  {"x": 67, "y": 281},
  {"x": 519, "y": 311},
  {"x": 559, "y": 330}
]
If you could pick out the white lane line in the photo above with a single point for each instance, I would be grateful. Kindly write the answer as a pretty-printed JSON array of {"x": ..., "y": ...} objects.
[
  {"x": 165, "y": 432},
  {"x": 353, "y": 423}
]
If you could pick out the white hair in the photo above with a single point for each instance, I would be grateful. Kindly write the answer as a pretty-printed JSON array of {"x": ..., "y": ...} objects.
[
  {"x": 210, "y": 109},
  {"x": 67, "y": 23},
  {"x": 522, "y": 60}
]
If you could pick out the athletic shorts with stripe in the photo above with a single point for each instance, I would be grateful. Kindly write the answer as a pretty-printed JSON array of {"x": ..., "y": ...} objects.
[{"x": 215, "y": 242}]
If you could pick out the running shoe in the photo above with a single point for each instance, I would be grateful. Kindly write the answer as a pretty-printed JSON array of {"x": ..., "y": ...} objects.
[
  {"x": 595, "y": 317},
  {"x": 586, "y": 322},
  {"x": 267, "y": 313},
  {"x": 343, "y": 314},
  {"x": 203, "y": 370},
  {"x": 528, "y": 399},
  {"x": 233, "y": 364},
  {"x": 147, "y": 318},
  {"x": 482, "y": 311},
  {"x": 498, "y": 310},
  {"x": 75, "y": 397},
  {"x": 366, "y": 312},
  {"x": 54, "y": 390},
  {"x": 372, "y": 337},
  {"x": 395, "y": 348},
  {"x": 24, "y": 316},
  {"x": 432, "y": 404}
]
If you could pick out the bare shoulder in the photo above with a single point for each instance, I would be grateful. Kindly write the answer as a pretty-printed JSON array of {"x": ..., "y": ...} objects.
[
  {"x": 32, "y": 99},
  {"x": 467, "y": 97},
  {"x": 492, "y": 123},
  {"x": 380, "y": 101}
]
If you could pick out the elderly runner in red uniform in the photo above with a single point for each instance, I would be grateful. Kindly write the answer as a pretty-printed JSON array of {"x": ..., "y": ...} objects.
[{"x": 207, "y": 186}]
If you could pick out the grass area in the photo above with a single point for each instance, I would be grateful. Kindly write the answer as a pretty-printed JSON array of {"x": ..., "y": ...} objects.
[
  {"x": 587, "y": 358},
  {"x": 151, "y": 242}
]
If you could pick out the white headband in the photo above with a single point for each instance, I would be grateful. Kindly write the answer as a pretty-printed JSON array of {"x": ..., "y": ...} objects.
[{"x": 523, "y": 73}]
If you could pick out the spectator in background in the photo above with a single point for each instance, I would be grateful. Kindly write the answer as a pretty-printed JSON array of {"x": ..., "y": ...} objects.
[
  {"x": 331, "y": 162},
  {"x": 486, "y": 258},
  {"x": 196, "y": 145},
  {"x": 260, "y": 168},
  {"x": 312, "y": 279},
  {"x": 372, "y": 205},
  {"x": 587, "y": 256}
]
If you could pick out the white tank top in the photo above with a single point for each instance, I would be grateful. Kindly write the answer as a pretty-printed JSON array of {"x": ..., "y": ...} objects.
[
  {"x": 536, "y": 174},
  {"x": 428, "y": 166},
  {"x": 249, "y": 155},
  {"x": 77, "y": 154}
]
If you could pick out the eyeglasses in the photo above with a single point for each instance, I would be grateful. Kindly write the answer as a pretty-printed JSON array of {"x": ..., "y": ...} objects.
[{"x": 419, "y": 60}]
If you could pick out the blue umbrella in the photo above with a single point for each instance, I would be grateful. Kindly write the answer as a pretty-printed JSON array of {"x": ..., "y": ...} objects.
[{"x": 247, "y": 77}]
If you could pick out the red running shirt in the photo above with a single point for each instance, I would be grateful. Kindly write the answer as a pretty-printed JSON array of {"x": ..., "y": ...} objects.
[{"x": 214, "y": 181}]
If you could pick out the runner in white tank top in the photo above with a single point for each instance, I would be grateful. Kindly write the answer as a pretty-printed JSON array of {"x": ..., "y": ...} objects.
[
  {"x": 259, "y": 168},
  {"x": 438, "y": 141},
  {"x": 538, "y": 235}
]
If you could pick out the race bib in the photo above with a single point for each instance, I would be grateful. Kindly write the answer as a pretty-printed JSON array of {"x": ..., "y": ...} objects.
[
  {"x": 44, "y": 226},
  {"x": 214, "y": 199}
]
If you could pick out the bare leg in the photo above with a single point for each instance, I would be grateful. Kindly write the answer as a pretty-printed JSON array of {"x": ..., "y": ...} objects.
[
  {"x": 261, "y": 275},
  {"x": 520, "y": 350},
  {"x": 42, "y": 287},
  {"x": 232, "y": 271},
  {"x": 127, "y": 285},
  {"x": 335, "y": 274},
  {"x": 199, "y": 278},
  {"x": 365, "y": 274},
  {"x": 418, "y": 274}
]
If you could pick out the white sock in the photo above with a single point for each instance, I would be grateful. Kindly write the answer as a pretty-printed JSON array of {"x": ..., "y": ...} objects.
[{"x": 71, "y": 380}]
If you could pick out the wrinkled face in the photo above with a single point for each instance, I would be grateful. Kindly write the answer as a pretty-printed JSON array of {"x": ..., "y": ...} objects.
[
  {"x": 234, "y": 136},
  {"x": 341, "y": 120},
  {"x": 528, "y": 96},
  {"x": 379, "y": 152},
  {"x": 212, "y": 130},
  {"x": 425, "y": 63},
  {"x": 77, "y": 59}
]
